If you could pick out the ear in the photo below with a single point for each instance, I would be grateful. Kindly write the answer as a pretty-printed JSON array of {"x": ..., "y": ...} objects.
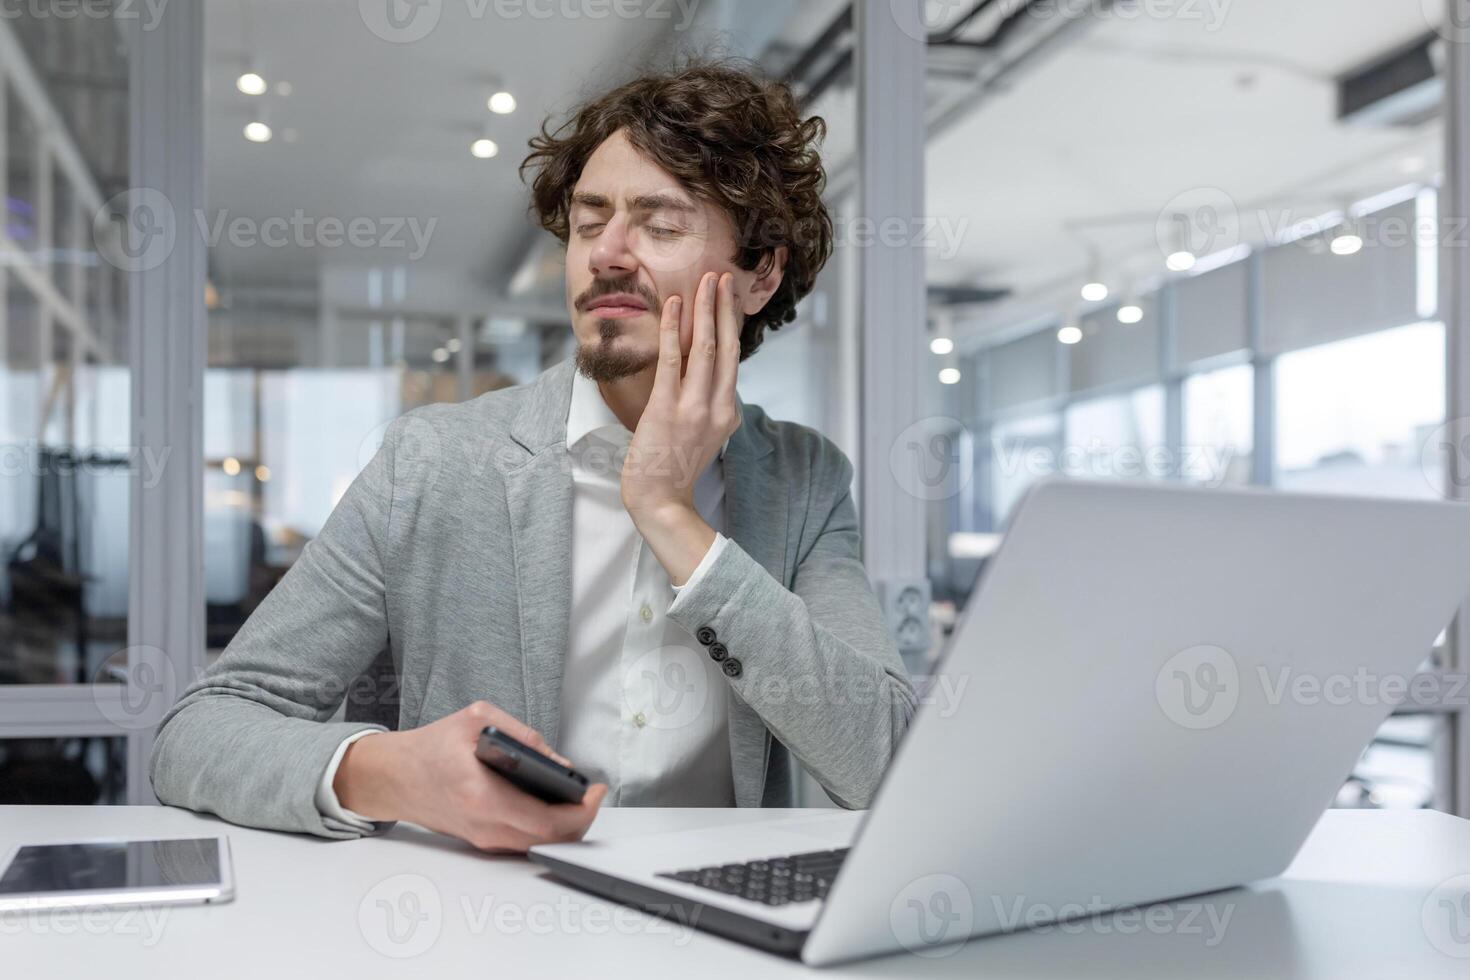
[{"x": 755, "y": 296}]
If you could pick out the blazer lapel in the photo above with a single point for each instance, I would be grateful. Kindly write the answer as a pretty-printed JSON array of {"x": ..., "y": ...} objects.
[
  {"x": 757, "y": 516},
  {"x": 539, "y": 498}
]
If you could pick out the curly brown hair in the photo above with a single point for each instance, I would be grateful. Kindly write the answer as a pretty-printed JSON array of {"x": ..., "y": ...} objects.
[{"x": 732, "y": 138}]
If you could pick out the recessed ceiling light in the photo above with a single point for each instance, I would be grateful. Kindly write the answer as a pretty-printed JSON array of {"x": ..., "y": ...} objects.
[
  {"x": 440, "y": 355},
  {"x": 1132, "y": 313},
  {"x": 1095, "y": 292},
  {"x": 250, "y": 83},
  {"x": 941, "y": 345},
  {"x": 1347, "y": 243},
  {"x": 1070, "y": 334},
  {"x": 1180, "y": 261},
  {"x": 484, "y": 148},
  {"x": 502, "y": 103},
  {"x": 949, "y": 376},
  {"x": 257, "y": 132}
]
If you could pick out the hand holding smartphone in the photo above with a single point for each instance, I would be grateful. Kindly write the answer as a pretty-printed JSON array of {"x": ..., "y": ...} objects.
[{"x": 529, "y": 770}]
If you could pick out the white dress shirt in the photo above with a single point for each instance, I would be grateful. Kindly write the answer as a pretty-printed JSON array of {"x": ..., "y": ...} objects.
[{"x": 643, "y": 709}]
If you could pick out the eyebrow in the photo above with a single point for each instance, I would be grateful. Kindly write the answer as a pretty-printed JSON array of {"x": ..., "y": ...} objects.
[{"x": 643, "y": 202}]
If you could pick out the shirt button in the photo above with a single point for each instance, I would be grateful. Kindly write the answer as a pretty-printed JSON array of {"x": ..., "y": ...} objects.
[
  {"x": 646, "y": 613},
  {"x": 640, "y": 719}
]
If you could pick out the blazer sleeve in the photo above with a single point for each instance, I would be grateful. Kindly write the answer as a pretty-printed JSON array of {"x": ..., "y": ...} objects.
[
  {"x": 817, "y": 661},
  {"x": 250, "y": 738}
]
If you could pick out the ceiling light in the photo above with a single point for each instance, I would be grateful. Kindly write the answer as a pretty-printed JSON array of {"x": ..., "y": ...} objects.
[
  {"x": 440, "y": 355},
  {"x": 1130, "y": 313},
  {"x": 263, "y": 473},
  {"x": 941, "y": 346},
  {"x": 452, "y": 345},
  {"x": 1070, "y": 334},
  {"x": 231, "y": 466},
  {"x": 250, "y": 83},
  {"x": 257, "y": 132},
  {"x": 484, "y": 148},
  {"x": 502, "y": 103},
  {"x": 1181, "y": 261},
  {"x": 1347, "y": 243},
  {"x": 1095, "y": 291},
  {"x": 949, "y": 376},
  {"x": 1348, "y": 238}
]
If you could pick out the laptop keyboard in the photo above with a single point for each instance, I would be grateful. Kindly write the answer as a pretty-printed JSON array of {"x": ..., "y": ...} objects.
[{"x": 772, "y": 881}]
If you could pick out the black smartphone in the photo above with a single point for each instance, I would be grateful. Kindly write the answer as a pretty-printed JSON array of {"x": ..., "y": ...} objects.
[{"x": 534, "y": 773}]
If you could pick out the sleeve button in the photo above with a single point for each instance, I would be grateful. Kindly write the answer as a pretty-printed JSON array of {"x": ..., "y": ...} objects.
[
  {"x": 705, "y": 635},
  {"x": 731, "y": 667},
  {"x": 718, "y": 652}
]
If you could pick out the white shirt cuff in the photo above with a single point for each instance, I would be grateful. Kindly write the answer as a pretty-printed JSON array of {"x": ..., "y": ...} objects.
[
  {"x": 326, "y": 797},
  {"x": 717, "y": 546}
]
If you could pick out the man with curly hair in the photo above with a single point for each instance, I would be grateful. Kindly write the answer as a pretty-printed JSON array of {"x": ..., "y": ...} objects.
[{"x": 620, "y": 563}]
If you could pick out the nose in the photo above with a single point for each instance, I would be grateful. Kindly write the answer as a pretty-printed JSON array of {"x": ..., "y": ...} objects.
[{"x": 612, "y": 257}]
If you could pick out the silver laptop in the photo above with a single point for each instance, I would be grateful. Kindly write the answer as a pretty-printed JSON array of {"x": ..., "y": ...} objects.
[{"x": 1153, "y": 693}]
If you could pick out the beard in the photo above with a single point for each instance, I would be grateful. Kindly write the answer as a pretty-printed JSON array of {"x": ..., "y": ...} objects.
[{"x": 601, "y": 360}]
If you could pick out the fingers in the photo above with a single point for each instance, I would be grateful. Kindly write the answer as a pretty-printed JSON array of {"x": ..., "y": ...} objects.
[
  {"x": 701, "y": 364},
  {"x": 727, "y": 340},
  {"x": 545, "y": 822},
  {"x": 670, "y": 359}
]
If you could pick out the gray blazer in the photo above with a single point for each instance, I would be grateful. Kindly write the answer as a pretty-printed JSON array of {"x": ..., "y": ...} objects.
[{"x": 450, "y": 551}]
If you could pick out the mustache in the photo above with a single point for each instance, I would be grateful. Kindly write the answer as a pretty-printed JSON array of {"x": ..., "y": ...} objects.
[{"x": 607, "y": 287}]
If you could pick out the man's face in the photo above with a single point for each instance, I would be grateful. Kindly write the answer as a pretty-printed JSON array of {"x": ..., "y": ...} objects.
[{"x": 637, "y": 237}]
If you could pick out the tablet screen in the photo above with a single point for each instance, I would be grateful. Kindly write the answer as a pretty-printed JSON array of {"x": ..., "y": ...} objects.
[{"x": 112, "y": 865}]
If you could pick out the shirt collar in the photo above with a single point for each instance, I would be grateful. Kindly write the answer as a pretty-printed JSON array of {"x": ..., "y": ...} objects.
[{"x": 588, "y": 413}]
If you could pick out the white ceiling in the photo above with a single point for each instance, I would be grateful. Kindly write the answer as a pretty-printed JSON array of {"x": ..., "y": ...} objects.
[
  {"x": 383, "y": 129},
  {"x": 1128, "y": 115},
  {"x": 1101, "y": 134}
]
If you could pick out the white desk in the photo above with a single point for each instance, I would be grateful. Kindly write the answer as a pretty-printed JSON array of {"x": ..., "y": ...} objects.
[{"x": 1359, "y": 902}]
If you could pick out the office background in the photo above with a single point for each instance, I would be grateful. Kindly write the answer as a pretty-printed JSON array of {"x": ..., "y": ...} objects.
[{"x": 1174, "y": 240}]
